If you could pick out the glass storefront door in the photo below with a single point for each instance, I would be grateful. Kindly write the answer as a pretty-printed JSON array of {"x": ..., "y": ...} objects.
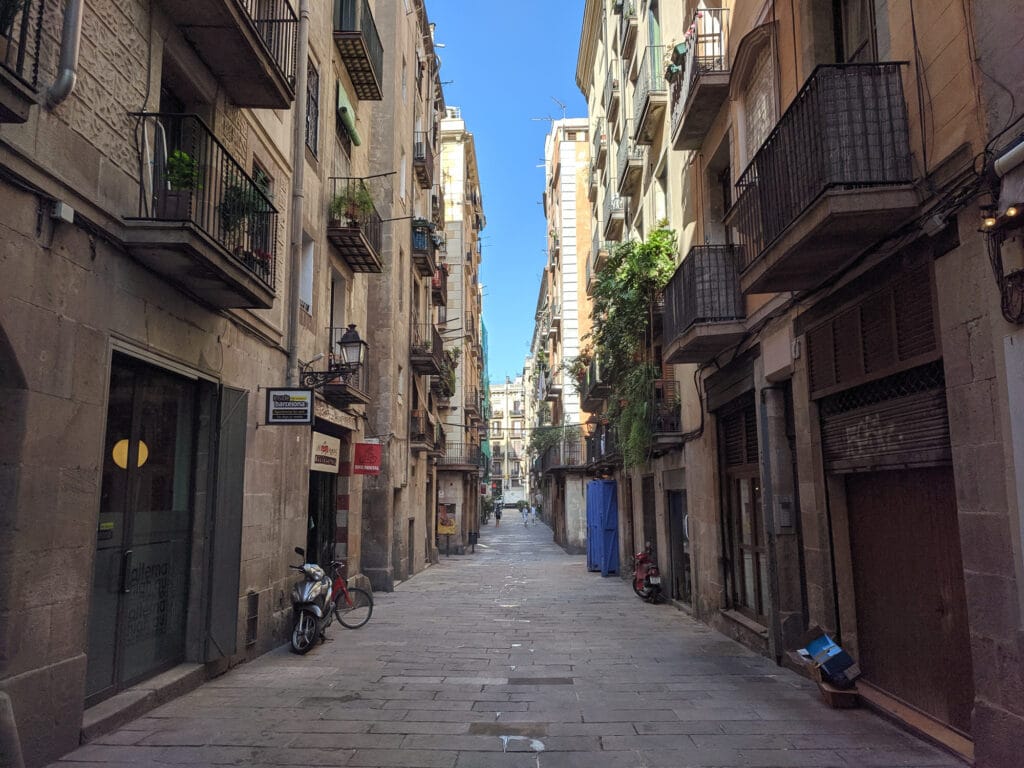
[{"x": 140, "y": 584}]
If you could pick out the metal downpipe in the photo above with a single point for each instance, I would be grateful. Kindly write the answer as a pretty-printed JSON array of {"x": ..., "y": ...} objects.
[
  {"x": 298, "y": 174},
  {"x": 70, "y": 42}
]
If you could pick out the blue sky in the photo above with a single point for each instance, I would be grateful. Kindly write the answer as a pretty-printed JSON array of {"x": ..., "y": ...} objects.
[{"x": 507, "y": 63}]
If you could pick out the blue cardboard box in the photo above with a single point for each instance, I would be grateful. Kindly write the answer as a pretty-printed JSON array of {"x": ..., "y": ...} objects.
[{"x": 835, "y": 664}]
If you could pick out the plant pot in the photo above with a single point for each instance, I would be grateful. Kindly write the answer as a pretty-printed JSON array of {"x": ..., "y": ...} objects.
[{"x": 174, "y": 204}]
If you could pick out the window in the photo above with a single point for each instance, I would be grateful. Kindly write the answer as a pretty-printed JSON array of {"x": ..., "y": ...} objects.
[
  {"x": 312, "y": 108},
  {"x": 306, "y": 275},
  {"x": 855, "y": 31},
  {"x": 401, "y": 177}
]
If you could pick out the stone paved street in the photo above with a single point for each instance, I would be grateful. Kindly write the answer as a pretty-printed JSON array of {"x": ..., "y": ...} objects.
[{"x": 514, "y": 656}]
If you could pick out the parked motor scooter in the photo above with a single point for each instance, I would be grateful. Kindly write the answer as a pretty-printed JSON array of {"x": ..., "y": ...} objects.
[
  {"x": 318, "y": 598},
  {"x": 646, "y": 576}
]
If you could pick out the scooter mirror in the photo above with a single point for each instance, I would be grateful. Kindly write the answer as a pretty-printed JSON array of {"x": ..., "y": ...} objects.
[{"x": 300, "y": 552}]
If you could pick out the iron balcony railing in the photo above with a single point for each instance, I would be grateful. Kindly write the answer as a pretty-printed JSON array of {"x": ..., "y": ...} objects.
[
  {"x": 707, "y": 51},
  {"x": 665, "y": 407},
  {"x": 463, "y": 454},
  {"x": 359, "y": 42},
  {"x": 629, "y": 152},
  {"x": 594, "y": 384},
  {"x": 597, "y": 141},
  {"x": 613, "y": 206},
  {"x": 568, "y": 453},
  {"x": 611, "y": 87},
  {"x": 278, "y": 27},
  {"x": 426, "y": 342},
  {"x": 704, "y": 289},
  {"x": 20, "y": 39},
  {"x": 423, "y": 158},
  {"x": 352, "y": 205},
  {"x": 627, "y": 26},
  {"x": 190, "y": 176},
  {"x": 847, "y": 127},
  {"x": 651, "y": 79},
  {"x": 602, "y": 445},
  {"x": 421, "y": 427}
]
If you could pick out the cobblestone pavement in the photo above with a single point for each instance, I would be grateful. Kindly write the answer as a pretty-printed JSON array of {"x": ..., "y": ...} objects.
[{"x": 514, "y": 656}]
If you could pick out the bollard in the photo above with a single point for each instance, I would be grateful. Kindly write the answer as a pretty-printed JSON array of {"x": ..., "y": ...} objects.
[{"x": 10, "y": 746}]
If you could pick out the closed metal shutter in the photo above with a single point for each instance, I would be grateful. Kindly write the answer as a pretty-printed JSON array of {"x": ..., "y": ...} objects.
[{"x": 896, "y": 422}]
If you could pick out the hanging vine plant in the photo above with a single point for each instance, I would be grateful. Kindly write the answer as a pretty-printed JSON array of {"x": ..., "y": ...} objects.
[{"x": 622, "y": 315}]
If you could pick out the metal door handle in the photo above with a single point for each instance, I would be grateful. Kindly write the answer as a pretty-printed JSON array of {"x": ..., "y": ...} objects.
[{"x": 126, "y": 572}]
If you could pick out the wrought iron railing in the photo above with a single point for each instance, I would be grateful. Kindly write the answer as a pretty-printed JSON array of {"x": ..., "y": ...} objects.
[
  {"x": 627, "y": 18},
  {"x": 421, "y": 428},
  {"x": 426, "y": 341},
  {"x": 602, "y": 444},
  {"x": 665, "y": 407},
  {"x": 21, "y": 30},
  {"x": 593, "y": 383},
  {"x": 278, "y": 28},
  {"x": 356, "y": 16},
  {"x": 847, "y": 127},
  {"x": 597, "y": 139},
  {"x": 613, "y": 206},
  {"x": 423, "y": 151},
  {"x": 464, "y": 454},
  {"x": 190, "y": 176},
  {"x": 651, "y": 79},
  {"x": 352, "y": 205},
  {"x": 568, "y": 453},
  {"x": 704, "y": 289},
  {"x": 629, "y": 152},
  {"x": 612, "y": 84},
  {"x": 707, "y": 50}
]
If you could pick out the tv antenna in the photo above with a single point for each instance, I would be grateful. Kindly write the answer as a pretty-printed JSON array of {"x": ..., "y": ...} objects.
[{"x": 561, "y": 105}]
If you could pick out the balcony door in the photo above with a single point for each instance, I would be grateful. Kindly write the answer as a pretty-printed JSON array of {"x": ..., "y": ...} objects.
[
  {"x": 137, "y": 615},
  {"x": 855, "y": 31}
]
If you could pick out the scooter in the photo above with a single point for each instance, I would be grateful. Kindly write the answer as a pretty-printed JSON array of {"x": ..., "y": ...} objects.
[
  {"x": 646, "y": 576},
  {"x": 317, "y": 599}
]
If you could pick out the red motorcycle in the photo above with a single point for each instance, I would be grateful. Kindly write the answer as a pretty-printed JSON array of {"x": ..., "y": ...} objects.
[{"x": 646, "y": 576}]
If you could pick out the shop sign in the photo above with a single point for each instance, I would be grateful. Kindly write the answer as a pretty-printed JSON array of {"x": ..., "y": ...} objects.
[
  {"x": 367, "y": 458},
  {"x": 289, "y": 406},
  {"x": 326, "y": 454}
]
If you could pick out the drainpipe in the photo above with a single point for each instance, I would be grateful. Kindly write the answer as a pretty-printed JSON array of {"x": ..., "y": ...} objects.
[
  {"x": 295, "y": 215},
  {"x": 69, "y": 44}
]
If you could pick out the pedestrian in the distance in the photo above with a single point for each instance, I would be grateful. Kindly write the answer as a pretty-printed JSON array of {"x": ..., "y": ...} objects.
[
  {"x": 525, "y": 512},
  {"x": 497, "y": 517},
  {"x": 536, "y": 514}
]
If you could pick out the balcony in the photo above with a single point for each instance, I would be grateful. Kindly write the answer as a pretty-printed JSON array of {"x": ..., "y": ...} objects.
[
  {"x": 354, "y": 226},
  {"x": 627, "y": 29},
  {"x": 464, "y": 457},
  {"x": 704, "y": 308},
  {"x": 426, "y": 351},
  {"x": 422, "y": 432},
  {"x": 614, "y": 217},
  {"x": 602, "y": 448},
  {"x": 424, "y": 245},
  {"x": 556, "y": 315},
  {"x": 423, "y": 159},
  {"x": 630, "y": 162},
  {"x": 650, "y": 97},
  {"x": 355, "y": 34},
  {"x": 249, "y": 45},
  {"x": 352, "y": 383},
  {"x": 437, "y": 206},
  {"x": 612, "y": 89},
  {"x": 599, "y": 144},
  {"x": 595, "y": 389},
  {"x": 831, "y": 179},
  {"x": 553, "y": 387},
  {"x": 666, "y": 419},
  {"x": 439, "y": 286},
  {"x": 203, "y": 223},
  {"x": 20, "y": 40},
  {"x": 702, "y": 85},
  {"x": 563, "y": 456},
  {"x": 472, "y": 402},
  {"x": 592, "y": 183}
]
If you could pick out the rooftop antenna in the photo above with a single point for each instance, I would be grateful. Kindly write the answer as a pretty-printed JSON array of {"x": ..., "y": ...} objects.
[{"x": 560, "y": 104}]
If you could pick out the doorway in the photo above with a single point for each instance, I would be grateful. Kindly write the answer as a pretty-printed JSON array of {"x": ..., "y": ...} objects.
[
  {"x": 137, "y": 615},
  {"x": 322, "y": 520},
  {"x": 679, "y": 542}
]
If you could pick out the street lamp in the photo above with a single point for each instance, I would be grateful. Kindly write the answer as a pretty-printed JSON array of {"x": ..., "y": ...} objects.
[{"x": 352, "y": 349}]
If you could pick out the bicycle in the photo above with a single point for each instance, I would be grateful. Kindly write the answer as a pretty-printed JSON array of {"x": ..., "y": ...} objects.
[{"x": 352, "y": 606}]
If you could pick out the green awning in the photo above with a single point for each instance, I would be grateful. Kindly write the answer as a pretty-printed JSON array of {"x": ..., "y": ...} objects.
[{"x": 347, "y": 113}]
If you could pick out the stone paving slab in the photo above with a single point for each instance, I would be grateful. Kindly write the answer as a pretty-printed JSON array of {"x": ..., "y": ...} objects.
[{"x": 513, "y": 657}]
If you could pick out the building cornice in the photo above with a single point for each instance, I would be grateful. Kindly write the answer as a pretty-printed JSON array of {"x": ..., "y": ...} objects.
[{"x": 588, "y": 46}]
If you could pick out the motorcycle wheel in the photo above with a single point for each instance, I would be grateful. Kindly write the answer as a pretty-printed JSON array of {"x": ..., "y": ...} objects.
[
  {"x": 304, "y": 633},
  {"x": 641, "y": 592},
  {"x": 356, "y": 613}
]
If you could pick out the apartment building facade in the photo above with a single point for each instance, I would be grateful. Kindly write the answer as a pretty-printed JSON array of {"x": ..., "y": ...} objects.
[
  {"x": 462, "y": 465},
  {"x": 508, "y": 438},
  {"x": 841, "y": 453},
  {"x": 562, "y": 322}
]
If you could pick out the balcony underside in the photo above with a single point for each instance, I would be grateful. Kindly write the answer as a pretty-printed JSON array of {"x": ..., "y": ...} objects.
[
  {"x": 629, "y": 180},
  {"x": 837, "y": 226},
  {"x": 343, "y": 395},
  {"x": 593, "y": 400},
  {"x": 613, "y": 226},
  {"x": 224, "y": 37},
  {"x": 184, "y": 255},
  {"x": 423, "y": 263},
  {"x": 419, "y": 444},
  {"x": 353, "y": 246},
  {"x": 703, "y": 104},
  {"x": 425, "y": 364},
  {"x": 424, "y": 173},
  {"x": 16, "y": 98},
  {"x": 703, "y": 341},
  {"x": 662, "y": 442},
  {"x": 651, "y": 117},
  {"x": 356, "y": 57},
  {"x": 455, "y": 465}
]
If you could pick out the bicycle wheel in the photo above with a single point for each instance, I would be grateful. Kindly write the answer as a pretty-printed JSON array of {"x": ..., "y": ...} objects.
[{"x": 355, "y": 612}]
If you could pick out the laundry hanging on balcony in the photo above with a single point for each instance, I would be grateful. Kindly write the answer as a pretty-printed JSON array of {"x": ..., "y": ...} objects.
[{"x": 347, "y": 113}]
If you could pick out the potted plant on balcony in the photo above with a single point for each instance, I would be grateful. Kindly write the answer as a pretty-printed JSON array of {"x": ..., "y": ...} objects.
[
  {"x": 351, "y": 205},
  {"x": 181, "y": 177},
  {"x": 241, "y": 203}
]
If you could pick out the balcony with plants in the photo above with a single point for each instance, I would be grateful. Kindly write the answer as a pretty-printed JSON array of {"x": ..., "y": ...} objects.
[
  {"x": 21, "y": 35},
  {"x": 202, "y": 222},
  {"x": 426, "y": 350},
  {"x": 358, "y": 42},
  {"x": 704, "y": 308},
  {"x": 423, "y": 159},
  {"x": 354, "y": 226},
  {"x": 425, "y": 242},
  {"x": 594, "y": 390},
  {"x": 833, "y": 177},
  {"x": 698, "y": 74},
  {"x": 666, "y": 415},
  {"x": 602, "y": 448},
  {"x": 650, "y": 96},
  {"x": 250, "y": 46}
]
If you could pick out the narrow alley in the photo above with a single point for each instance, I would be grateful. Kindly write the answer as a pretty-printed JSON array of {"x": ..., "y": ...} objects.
[{"x": 512, "y": 656}]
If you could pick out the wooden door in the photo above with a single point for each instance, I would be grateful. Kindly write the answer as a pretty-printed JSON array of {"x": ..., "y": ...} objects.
[{"x": 908, "y": 581}]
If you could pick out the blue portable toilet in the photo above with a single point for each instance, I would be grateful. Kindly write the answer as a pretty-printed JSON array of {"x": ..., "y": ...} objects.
[{"x": 602, "y": 526}]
